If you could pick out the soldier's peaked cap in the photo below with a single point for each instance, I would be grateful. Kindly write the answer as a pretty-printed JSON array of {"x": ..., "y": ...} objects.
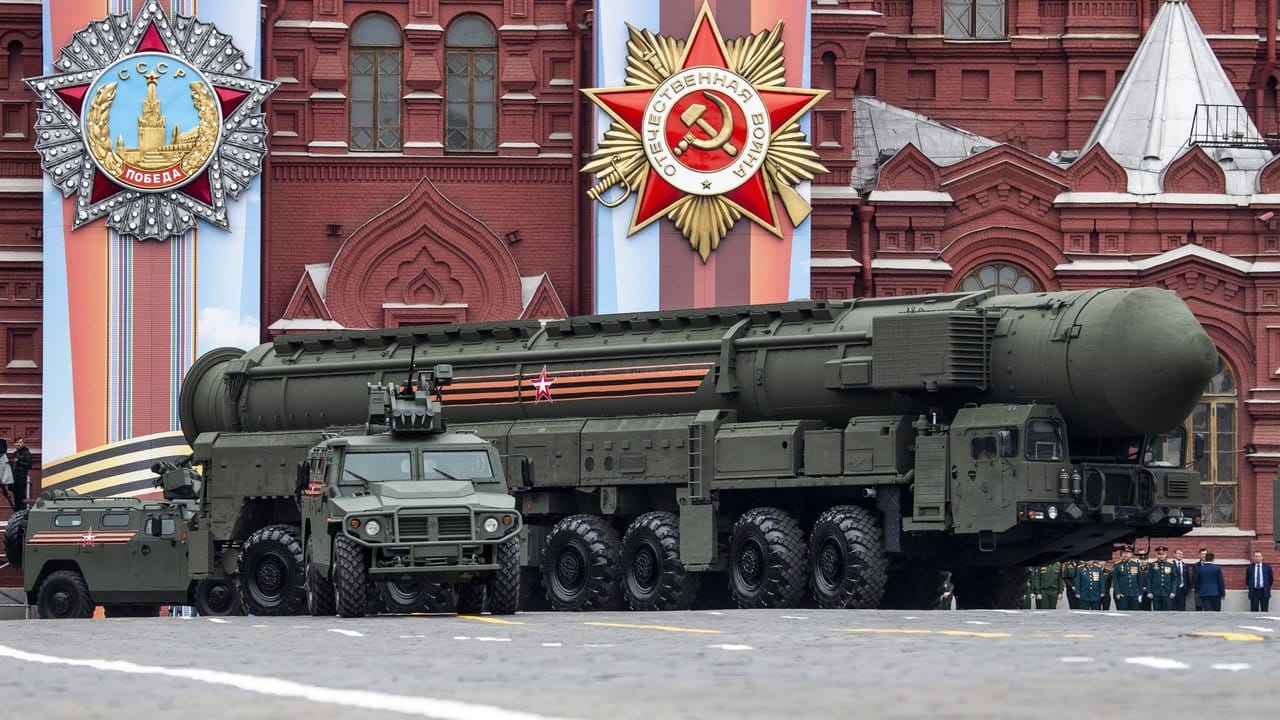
[{"x": 1162, "y": 549}]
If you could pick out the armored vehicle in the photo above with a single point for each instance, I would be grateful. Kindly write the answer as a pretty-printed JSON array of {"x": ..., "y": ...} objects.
[
  {"x": 128, "y": 555},
  {"x": 832, "y": 449},
  {"x": 395, "y": 514}
]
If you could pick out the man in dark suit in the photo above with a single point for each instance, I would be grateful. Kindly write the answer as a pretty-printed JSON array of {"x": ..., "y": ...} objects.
[
  {"x": 1258, "y": 579},
  {"x": 1186, "y": 580},
  {"x": 1210, "y": 584}
]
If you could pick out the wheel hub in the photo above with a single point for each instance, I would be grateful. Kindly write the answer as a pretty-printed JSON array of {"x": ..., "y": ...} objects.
[
  {"x": 219, "y": 597},
  {"x": 60, "y": 603},
  {"x": 269, "y": 577},
  {"x": 644, "y": 566},
  {"x": 830, "y": 563},
  {"x": 570, "y": 569},
  {"x": 751, "y": 563}
]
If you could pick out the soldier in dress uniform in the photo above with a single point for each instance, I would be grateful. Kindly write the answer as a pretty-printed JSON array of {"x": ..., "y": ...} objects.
[
  {"x": 1144, "y": 600},
  {"x": 1106, "y": 584},
  {"x": 1128, "y": 582},
  {"x": 1070, "y": 569},
  {"x": 1162, "y": 581},
  {"x": 1091, "y": 585},
  {"x": 1046, "y": 585},
  {"x": 946, "y": 592}
]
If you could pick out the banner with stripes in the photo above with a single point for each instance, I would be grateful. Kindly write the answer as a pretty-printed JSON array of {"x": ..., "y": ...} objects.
[
  {"x": 151, "y": 230},
  {"x": 702, "y": 167}
]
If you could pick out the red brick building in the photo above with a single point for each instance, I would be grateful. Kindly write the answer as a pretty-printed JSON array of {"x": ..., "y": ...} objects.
[{"x": 424, "y": 157}]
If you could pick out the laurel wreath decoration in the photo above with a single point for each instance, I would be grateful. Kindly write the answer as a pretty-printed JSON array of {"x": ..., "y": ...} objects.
[
  {"x": 705, "y": 220},
  {"x": 99, "y": 135},
  {"x": 207, "y": 138}
]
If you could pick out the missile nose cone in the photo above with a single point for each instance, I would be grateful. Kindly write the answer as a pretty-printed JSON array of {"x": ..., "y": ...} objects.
[{"x": 1155, "y": 357}]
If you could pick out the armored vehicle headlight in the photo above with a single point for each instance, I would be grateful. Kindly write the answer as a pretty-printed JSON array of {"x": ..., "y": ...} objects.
[
  {"x": 1053, "y": 512},
  {"x": 372, "y": 527},
  {"x": 491, "y": 524}
]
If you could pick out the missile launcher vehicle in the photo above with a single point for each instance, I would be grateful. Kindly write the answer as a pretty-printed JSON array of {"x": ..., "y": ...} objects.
[{"x": 821, "y": 451}]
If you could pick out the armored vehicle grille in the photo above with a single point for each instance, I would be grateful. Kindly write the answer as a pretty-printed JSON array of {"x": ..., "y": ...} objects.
[
  {"x": 455, "y": 527},
  {"x": 932, "y": 351},
  {"x": 1177, "y": 487},
  {"x": 447, "y": 527}
]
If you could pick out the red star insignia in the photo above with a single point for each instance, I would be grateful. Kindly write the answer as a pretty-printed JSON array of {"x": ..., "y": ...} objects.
[
  {"x": 698, "y": 117},
  {"x": 88, "y": 538},
  {"x": 542, "y": 386}
]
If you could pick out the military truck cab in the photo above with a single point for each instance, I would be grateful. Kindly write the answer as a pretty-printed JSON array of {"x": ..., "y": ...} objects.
[
  {"x": 126, "y": 554},
  {"x": 1014, "y": 471},
  {"x": 405, "y": 509}
]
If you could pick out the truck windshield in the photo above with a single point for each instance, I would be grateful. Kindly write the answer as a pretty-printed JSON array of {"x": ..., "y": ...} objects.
[
  {"x": 1166, "y": 449},
  {"x": 457, "y": 465},
  {"x": 1044, "y": 441},
  {"x": 365, "y": 467}
]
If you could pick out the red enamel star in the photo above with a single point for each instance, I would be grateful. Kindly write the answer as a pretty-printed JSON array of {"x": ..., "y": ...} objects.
[
  {"x": 698, "y": 119},
  {"x": 542, "y": 386},
  {"x": 87, "y": 538}
]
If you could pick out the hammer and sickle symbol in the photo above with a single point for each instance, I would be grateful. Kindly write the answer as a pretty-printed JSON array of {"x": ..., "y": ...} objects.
[{"x": 718, "y": 140}]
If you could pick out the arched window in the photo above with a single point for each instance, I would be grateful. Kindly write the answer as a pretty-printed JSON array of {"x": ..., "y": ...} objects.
[
  {"x": 828, "y": 75},
  {"x": 471, "y": 123},
  {"x": 1215, "y": 418},
  {"x": 1007, "y": 279},
  {"x": 15, "y": 65},
  {"x": 376, "y": 63}
]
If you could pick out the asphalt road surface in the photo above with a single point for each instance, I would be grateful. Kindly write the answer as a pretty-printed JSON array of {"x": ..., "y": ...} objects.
[{"x": 618, "y": 666}]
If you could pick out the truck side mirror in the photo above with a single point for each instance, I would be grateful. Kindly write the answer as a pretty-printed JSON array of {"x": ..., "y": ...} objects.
[
  {"x": 1198, "y": 445},
  {"x": 1008, "y": 446}
]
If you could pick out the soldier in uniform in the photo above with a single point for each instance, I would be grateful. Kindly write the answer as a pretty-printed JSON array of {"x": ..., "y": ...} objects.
[
  {"x": 1070, "y": 570},
  {"x": 1106, "y": 584},
  {"x": 1046, "y": 585},
  {"x": 1144, "y": 600},
  {"x": 1162, "y": 581},
  {"x": 946, "y": 592},
  {"x": 1128, "y": 583},
  {"x": 1090, "y": 585}
]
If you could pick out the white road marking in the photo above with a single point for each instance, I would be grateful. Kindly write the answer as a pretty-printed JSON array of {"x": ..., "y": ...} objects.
[
  {"x": 461, "y": 637},
  {"x": 976, "y": 622},
  {"x": 1006, "y": 612},
  {"x": 1233, "y": 667},
  {"x": 727, "y": 646},
  {"x": 493, "y": 639},
  {"x": 794, "y": 617},
  {"x": 1076, "y": 659},
  {"x": 1255, "y": 627},
  {"x": 911, "y": 617},
  {"x": 257, "y": 626},
  {"x": 352, "y": 698},
  {"x": 299, "y": 627},
  {"x": 714, "y": 612},
  {"x": 552, "y": 644},
  {"x": 1158, "y": 663},
  {"x": 348, "y": 633},
  {"x": 1269, "y": 617},
  {"x": 218, "y": 620}
]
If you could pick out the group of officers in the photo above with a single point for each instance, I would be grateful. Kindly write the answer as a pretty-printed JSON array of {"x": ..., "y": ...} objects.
[{"x": 1133, "y": 583}]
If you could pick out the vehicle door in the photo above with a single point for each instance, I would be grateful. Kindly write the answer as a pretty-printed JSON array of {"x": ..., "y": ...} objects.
[{"x": 162, "y": 551}]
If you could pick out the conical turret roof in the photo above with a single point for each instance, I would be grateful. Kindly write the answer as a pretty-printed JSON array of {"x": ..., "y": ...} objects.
[{"x": 1148, "y": 121}]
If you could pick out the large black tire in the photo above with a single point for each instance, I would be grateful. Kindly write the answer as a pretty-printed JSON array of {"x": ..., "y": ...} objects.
[
  {"x": 270, "y": 572},
  {"x": 582, "y": 565},
  {"x": 848, "y": 567},
  {"x": 990, "y": 588},
  {"x": 217, "y": 598},
  {"x": 471, "y": 596},
  {"x": 653, "y": 578},
  {"x": 130, "y": 611},
  {"x": 350, "y": 574},
  {"x": 14, "y": 536},
  {"x": 767, "y": 567},
  {"x": 503, "y": 589},
  {"x": 64, "y": 594}
]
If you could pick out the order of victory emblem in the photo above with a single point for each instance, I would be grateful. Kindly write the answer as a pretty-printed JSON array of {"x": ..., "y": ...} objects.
[
  {"x": 150, "y": 124},
  {"x": 705, "y": 133}
]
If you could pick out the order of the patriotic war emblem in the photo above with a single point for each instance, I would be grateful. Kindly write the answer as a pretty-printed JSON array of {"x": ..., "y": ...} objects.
[
  {"x": 705, "y": 133},
  {"x": 149, "y": 123}
]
